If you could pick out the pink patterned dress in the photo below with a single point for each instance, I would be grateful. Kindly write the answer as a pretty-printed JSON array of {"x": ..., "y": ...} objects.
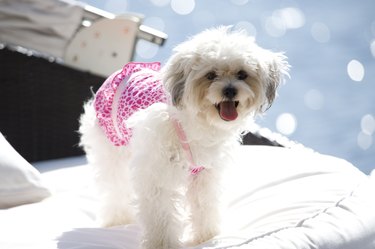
[{"x": 137, "y": 86}]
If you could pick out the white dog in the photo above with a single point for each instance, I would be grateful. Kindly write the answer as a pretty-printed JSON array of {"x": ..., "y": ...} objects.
[{"x": 159, "y": 148}]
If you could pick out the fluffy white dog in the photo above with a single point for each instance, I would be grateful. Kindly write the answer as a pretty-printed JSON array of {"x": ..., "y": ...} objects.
[{"x": 160, "y": 141}]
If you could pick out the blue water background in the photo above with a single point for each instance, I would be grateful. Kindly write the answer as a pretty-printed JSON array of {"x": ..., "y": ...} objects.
[{"x": 326, "y": 109}]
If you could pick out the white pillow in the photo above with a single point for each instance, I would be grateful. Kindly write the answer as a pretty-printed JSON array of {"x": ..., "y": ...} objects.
[{"x": 20, "y": 182}]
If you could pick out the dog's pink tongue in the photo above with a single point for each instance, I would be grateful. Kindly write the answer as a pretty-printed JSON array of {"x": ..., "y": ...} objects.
[{"x": 228, "y": 111}]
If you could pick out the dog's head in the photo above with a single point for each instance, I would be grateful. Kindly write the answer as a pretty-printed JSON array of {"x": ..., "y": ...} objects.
[{"x": 223, "y": 75}]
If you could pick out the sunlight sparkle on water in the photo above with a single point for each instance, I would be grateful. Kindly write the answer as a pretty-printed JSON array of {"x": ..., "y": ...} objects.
[
  {"x": 314, "y": 99},
  {"x": 364, "y": 141},
  {"x": 160, "y": 2},
  {"x": 320, "y": 32},
  {"x": 364, "y": 138},
  {"x": 146, "y": 50},
  {"x": 355, "y": 70},
  {"x": 286, "y": 123},
  {"x": 240, "y": 2},
  {"x": 281, "y": 20},
  {"x": 183, "y": 7},
  {"x": 372, "y": 48},
  {"x": 368, "y": 124},
  {"x": 249, "y": 27},
  {"x": 155, "y": 22}
]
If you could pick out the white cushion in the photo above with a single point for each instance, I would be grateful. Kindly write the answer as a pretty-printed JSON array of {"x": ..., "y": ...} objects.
[
  {"x": 44, "y": 26},
  {"x": 296, "y": 198},
  {"x": 278, "y": 198},
  {"x": 20, "y": 182}
]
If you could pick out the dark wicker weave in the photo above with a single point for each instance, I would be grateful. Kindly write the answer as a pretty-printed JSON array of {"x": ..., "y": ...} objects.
[
  {"x": 40, "y": 103},
  {"x": 253, "y": 138}
]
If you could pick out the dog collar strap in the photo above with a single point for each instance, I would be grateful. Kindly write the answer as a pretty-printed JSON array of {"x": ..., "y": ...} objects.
[{"x": 194, "y": 169}]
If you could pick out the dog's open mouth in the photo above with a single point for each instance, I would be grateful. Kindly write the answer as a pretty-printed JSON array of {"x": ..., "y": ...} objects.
[{"x": 227, "y": 110}]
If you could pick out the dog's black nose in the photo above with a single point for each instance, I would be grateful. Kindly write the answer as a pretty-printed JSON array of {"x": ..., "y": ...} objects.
[{"x": 230, "y": 92}]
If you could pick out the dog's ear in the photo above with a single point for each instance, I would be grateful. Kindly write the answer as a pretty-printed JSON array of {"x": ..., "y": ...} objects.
[
  {"x": 174, "y": 76},
  {"x": 276, "y": 69}
]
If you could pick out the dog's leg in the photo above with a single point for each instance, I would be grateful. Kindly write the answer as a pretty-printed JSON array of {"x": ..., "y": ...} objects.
[
  {"x": 203, "y": 197},
  {"x": 114, "y": 183},
  {"x": 110, "y": 164},
  {"x": 159, "y": 203}
]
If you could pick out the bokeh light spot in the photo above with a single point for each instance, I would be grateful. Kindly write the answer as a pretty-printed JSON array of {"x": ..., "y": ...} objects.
[
  {"x": 320, "y": 32},
  {"x": 283, "y": 19},
  {"x": 286, "y": 123},
  {"x": 183, "y": 7},
  {"x": 293, "y": 18},
  {"x": 275, "y": 26},
  {"x": 368, "y": 124},
  {"x": 364, "y": 141},
  {"x": 240, "y": 2},
  {"x": 314, "y": 99},
  {"x": 146, "y": 50},
  {"x": 247, "y": 26},
  {"x": 160, "y": 3},
  {"x": 155, "y": 22},
  {"x": 372, "y": 48},
  {"x": 355, "y": 70},
  {"x": 116, "y": 6}
]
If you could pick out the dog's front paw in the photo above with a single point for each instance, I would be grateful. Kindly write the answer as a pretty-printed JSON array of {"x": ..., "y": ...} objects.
[
  {"x": 160, "y": 243},
  {"x": 202, "y": 236},
  {"x": 151, "y": 245}
]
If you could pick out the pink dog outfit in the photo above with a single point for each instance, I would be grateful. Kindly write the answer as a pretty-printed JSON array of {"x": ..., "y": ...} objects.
[
  {"x": 121, "y": 95},
  {"x": 137, "y": 86}
]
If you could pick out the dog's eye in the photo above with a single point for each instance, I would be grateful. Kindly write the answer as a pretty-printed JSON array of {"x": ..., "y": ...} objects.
[
  {"x": 242, "y": 75},
  {"x": 211, "y": 75}
]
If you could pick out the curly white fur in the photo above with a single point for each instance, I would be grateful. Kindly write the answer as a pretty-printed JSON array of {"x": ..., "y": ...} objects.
[{"x": 149, "y": 180}]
